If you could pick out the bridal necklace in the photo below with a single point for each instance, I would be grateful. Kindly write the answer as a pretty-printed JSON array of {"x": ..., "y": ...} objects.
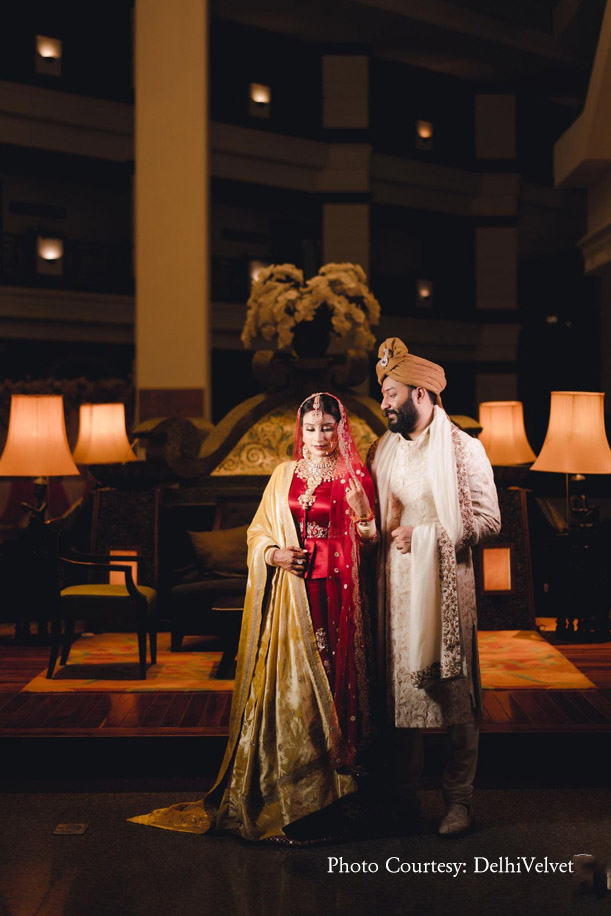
[{"x": 314, "y": 471}]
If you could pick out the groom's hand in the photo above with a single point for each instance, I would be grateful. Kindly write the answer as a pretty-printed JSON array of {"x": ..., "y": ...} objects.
[{"x": 402, "y": 537}]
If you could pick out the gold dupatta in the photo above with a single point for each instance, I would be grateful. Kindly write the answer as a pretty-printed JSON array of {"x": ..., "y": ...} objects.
[{"x": 284, "y": 736}]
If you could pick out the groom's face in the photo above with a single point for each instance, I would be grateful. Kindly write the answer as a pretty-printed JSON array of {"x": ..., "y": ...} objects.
[{"x": 399, "y": 407}]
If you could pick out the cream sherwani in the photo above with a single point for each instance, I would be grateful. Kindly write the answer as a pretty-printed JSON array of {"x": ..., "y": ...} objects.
[{"x": 402, "y": 471}]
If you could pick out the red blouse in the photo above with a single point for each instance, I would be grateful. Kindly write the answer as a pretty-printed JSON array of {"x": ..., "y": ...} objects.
[{"x": 326, "y": 555}]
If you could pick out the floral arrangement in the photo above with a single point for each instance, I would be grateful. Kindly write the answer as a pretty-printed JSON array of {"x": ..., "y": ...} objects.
[{"x": 280, "y": 300}]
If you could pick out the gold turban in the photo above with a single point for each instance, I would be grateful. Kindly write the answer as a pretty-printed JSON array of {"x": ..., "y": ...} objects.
[{"x": 398, "y": 363}]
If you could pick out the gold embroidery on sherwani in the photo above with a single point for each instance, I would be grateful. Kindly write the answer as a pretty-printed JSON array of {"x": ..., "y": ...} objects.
[
  {"x": 451, "y": 663},
  {"x": 469, "y": 535}
]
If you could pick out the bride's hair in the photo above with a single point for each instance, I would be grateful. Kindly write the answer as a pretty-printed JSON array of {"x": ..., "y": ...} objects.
[{"x": 328, "y": 405}]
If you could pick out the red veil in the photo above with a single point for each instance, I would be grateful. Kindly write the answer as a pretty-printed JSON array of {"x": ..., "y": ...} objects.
[{"x": 348, "y": 604}]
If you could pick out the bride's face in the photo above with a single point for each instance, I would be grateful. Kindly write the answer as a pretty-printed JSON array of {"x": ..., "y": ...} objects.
[{"x": 320, "y": 436}]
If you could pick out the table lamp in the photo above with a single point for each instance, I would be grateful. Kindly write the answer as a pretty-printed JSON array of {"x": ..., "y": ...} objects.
[
  {"x": 37, "y": 445},
  {"x": 503, "y": 434},
  {"x": 102, "y": 437},
  {"x": 575, "y": 442},
  {"x": 505, "y": 579},
  {"x": 102, "y": 440}
]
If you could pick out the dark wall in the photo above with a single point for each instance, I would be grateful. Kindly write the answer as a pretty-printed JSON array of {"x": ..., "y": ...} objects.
[
  {"x": 407, "y": 245},
  {"x": 96, "y": 45}
]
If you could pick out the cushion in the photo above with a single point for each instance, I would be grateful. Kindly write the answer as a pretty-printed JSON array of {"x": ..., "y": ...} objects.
[
  {"x": 220, "y": 553},
  {"x": 93, "y": 599},
  {"x": 228, "y": 585}
]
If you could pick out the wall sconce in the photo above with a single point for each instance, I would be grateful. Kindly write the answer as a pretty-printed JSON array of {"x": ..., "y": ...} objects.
[
  {"x": 424, "y": 135},
  {"x": 49, "y": 256},
  {"x": 37, "y": 445},
  {"x": 102, "y": 437},
  {"x": 255, "y": 268},
  {"x": 503, "y": 434},
  {"x": 48, "y": 56},
  {"x": 575, "y": 442},
  {"x": 260, "y": 103},
  {"x": 424, "y": 293}
]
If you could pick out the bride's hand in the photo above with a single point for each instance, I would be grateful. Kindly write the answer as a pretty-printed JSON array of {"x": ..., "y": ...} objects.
[
  {"x": 357, "y": 498},
  {"x": 293, "y": 559}
]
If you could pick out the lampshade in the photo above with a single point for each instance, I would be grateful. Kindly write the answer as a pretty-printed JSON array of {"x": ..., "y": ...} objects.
[
  {"x": 503, "y": 435},
  {"x": 37, "y": 445},
  {"x": 575, "y": 442},
  {"x": 102, "y": 438}
]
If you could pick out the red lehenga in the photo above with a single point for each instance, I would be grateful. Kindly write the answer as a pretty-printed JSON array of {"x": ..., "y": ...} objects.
[
  {"x": 331, "y": 580},
  {"x": 301, "y": 702}
]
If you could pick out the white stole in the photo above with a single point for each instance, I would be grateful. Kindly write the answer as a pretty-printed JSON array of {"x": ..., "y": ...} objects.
[{"x": 434, "y": 640}]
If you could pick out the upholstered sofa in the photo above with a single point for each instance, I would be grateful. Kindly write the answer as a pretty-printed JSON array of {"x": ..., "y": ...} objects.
[{"x": 207, "y": 578}]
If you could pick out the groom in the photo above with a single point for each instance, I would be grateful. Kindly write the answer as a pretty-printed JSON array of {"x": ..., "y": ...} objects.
[{"x": 437, "y": 498}]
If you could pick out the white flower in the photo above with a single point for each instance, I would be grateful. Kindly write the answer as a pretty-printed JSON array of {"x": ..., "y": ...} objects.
[{"x": 279, "y": 301}]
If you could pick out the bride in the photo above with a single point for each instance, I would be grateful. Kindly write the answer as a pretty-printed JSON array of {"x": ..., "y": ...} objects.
[{"x": 300, "y": 706}]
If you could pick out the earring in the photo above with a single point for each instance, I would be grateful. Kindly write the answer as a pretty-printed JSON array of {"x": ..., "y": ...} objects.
[{"x": 305, "y": 451}]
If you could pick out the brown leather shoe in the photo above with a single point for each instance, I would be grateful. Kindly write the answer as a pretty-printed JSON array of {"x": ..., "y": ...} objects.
[{"x": 458, "y": 819}]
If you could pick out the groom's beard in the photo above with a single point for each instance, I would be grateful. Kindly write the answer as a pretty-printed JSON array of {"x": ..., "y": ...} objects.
[{"x": 403, "y": 419}]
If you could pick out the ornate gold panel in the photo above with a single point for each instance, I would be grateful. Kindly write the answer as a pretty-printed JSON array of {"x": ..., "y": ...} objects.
[{"x": 271, "y": 440}]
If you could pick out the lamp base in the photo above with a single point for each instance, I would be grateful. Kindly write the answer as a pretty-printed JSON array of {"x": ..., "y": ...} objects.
[
  {"x": 582, "y": 514},
  {"x": 38, "y": 511}
]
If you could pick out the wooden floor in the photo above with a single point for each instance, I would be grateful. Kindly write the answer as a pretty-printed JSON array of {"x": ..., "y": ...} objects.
[{"x": 196, "y": 713}]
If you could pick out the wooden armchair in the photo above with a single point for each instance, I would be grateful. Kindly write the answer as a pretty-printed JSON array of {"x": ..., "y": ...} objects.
[{"x": 100, "y": 601}]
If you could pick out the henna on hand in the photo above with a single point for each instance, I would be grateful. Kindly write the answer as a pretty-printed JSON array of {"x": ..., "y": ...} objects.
[
  {"x": 357, "y": 498},
  {"x": 293, "y": 559}
]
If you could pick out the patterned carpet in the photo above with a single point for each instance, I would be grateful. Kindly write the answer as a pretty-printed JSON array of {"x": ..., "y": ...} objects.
[
  {"x": 509, "y": 659},
  {"x": 109, "y": 662}
]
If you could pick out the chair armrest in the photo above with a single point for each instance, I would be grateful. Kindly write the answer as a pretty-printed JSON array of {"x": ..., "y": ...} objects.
[{"x": 132, "y": 588}]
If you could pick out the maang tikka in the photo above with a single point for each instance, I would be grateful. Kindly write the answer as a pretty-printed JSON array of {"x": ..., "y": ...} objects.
[{"x": 317, "y": 414}]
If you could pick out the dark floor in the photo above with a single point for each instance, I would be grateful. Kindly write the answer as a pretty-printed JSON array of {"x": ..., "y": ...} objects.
[
  {"x": 543, "y": 790},
  {"x": 117, "y": 868}
]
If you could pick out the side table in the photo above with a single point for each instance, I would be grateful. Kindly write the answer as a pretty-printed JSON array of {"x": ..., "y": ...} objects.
[{"x": 582, "y": 591}]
